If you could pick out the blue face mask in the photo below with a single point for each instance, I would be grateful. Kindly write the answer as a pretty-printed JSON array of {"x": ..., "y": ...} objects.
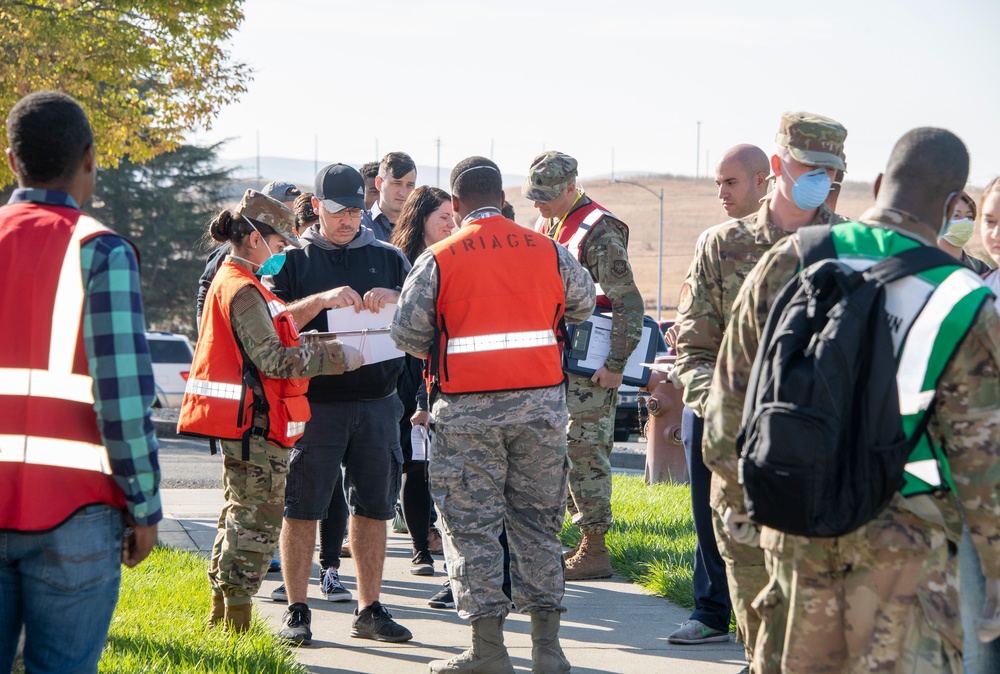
[
  {"x": 273, "y": 264},
  {"x": 811, "y": 189}
]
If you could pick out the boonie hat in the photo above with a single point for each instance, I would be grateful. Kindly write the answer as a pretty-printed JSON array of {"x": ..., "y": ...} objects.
[
  {"x": 281, "y": 191},
  {"x": 548, "y": 176},
  {"x": 339, "y": 186},
  {"x": 263, "y": 210},
  {"x": 813, "y": 140}
]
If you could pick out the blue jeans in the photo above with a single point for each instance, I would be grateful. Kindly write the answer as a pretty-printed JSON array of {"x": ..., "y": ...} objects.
[
  {"x": 978, "y": 658},
  {"x": 711, "y": 589},
  {"x": 62, "y": 586}
]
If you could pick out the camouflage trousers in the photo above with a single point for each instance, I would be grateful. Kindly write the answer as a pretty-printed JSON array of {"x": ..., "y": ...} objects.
[
  {"x": 880, "y": 599},
  {"x": 747, "y": 576},
  {"x": 590, "y": 437},
  {"x": 483, "y": 477},
  {"x": 251, "y": 518}
]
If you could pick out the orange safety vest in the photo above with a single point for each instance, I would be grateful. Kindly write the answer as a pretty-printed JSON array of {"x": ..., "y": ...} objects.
[
  {"x": 574, "y": 230},
  {"x": 52, "y": 456},
  {"x": 218, "y": 399},
  {"x": 499, "y": 310}
]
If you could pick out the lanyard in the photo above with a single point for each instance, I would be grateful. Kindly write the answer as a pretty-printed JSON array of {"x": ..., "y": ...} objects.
[{"x": 579, "y": 195}]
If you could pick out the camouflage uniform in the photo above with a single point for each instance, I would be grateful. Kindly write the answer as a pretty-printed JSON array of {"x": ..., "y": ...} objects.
[
  {"x": 882, "y": 598},
  {"x": 724, "y": 256},
  {"x": 590, "y": 433},
  {"x": 497, "y": 457},
  {"x": 255, "y": 489}
]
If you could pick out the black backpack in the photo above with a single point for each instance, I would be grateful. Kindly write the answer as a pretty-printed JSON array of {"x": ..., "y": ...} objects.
[{"x": 822, "y": 447}]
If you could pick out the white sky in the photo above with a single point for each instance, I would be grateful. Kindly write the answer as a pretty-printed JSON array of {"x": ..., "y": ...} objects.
[{"x": 585, "y": 77}]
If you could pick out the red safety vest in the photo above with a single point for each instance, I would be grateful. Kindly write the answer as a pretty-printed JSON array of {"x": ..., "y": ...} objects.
[
  {"x": 218, "y": 402},
  {"x": 52, "y": 457},
  {"x": 575, "y": 229},
  {"x": 499, "y": 310}
]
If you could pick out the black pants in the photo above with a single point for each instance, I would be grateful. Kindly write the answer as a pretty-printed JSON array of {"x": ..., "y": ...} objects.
[{"x": 711, "y": 591}]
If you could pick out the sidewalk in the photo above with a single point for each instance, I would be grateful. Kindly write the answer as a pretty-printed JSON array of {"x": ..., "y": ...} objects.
[{"x": 611, "y": 626}]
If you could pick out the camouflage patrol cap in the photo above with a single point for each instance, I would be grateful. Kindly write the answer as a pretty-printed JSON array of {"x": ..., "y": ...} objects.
[
  {"x": 263, "y": 210},
  {"x": 548, "y": 176},
  {"x": 813, "y": 140}
]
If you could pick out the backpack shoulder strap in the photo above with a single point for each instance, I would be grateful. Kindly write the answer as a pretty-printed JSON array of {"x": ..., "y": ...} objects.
[
  {"x": 909, "y": 262},
  {"x": 815, "y": 244}
]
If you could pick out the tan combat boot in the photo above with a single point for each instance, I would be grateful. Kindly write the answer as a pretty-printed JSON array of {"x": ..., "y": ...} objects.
[
  {"x": 591, "y": 561},
  {"x": 570, "y": 554},
  {"x": 238, "y": 618},
  {"x": 217, "y": 611},
  {"x": 546, "y": 655},
  {"x": 487, "y": 655}
]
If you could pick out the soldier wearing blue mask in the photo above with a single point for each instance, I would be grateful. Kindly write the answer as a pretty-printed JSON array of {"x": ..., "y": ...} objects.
[{"x": 810, "y": 151}]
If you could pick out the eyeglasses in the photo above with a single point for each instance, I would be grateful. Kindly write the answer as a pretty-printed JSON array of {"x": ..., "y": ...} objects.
[{"x": 352, "y": 213}]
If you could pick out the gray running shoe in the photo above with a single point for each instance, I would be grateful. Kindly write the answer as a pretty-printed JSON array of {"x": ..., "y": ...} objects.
[
  {"x": 693, "y": 632},
  {"x": 280, "y": 594}
]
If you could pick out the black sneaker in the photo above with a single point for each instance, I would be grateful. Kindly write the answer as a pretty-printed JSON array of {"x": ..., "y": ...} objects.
[
  {"x": 375, "y": 622},
  {"x": 295, "y": 624},
  {"x": 332, "y": 588},
  {"x": 422, "y": 564},
  {"x": 444, "y": 598}
]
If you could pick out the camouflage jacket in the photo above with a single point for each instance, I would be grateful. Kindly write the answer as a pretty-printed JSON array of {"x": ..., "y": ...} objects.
[
  {"x": 413, "y": 331},
  {"x": 255, "y": 329},
  {"x": 724, "y": 256},
  {"x": 605, "y": 256},
  {"x": 964, "y": 421}
]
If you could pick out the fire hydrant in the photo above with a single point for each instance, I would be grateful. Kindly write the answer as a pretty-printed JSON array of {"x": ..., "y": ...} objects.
[{"x": 665, "y": 461}]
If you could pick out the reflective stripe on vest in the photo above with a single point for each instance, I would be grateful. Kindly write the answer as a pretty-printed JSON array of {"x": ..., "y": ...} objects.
[
  {"x": 276, "y": 307},
  {"x": 574, "y": 242},
  {"x": 54, "y": 452},
  {"x": 58, "y": 381},
  {"x": 78, "y": 388},
  {"x": 502, "y": 340},
  {"x": 930, "y": 314},
  {"x": 296, "y": 428},
  {"x": 213, "y": 389}
]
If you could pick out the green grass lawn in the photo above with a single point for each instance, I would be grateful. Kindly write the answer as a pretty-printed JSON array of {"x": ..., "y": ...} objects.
[
  {"x": 652, "y": 537},
  {"x": 159, "y": 625}
]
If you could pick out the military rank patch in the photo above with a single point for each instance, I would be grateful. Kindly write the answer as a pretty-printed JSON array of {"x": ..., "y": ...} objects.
[
  {"x": 619, "y": 268},
  {"x": 686, "y": 299}
]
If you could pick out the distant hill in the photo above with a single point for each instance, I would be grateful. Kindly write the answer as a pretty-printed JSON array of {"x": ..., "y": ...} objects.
[{"x": 302, "y": 172}]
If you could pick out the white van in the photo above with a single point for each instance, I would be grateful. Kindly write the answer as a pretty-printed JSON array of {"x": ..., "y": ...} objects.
[{"x": 172, "y": 355}]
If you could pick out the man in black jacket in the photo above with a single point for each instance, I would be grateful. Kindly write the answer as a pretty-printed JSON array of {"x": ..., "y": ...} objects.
[{"x": 355, "y": 418}]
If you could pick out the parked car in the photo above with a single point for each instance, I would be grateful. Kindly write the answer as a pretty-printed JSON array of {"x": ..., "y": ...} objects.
[
  {"x": 627, "y": 411},
  {"x": 171, "y": 355}
]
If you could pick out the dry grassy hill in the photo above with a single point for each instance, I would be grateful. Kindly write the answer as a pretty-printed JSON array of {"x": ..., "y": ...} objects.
[{"x": 689, "y": 207}]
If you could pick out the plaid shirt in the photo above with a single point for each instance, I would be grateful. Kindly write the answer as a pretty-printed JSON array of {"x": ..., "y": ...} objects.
[{"x": 115, "y": 341}]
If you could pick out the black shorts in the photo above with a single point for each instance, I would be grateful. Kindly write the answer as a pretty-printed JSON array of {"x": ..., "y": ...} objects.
[{"x": 362, "y": 437}]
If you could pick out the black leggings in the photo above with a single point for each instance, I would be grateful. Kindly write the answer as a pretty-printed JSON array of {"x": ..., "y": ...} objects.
[
  {"x": 415, "y": 496},
  {"x": 333, "y": 528}
]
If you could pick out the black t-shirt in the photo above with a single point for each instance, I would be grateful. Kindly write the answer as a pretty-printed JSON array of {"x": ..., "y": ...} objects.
[{"x": 312, "y": 270}]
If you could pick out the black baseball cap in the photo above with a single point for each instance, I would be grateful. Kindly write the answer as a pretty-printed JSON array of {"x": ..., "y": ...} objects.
[{"x": 339, "y": 186}]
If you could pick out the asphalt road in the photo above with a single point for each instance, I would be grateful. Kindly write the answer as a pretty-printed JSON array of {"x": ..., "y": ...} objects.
[{"x": 185, "y": 463}]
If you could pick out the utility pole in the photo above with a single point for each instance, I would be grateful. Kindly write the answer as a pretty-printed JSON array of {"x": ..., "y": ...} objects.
[
  {"x": 259, "y": 177},
  {"x": 697, "y": 155},
  {"x": 437, "y": 180}
]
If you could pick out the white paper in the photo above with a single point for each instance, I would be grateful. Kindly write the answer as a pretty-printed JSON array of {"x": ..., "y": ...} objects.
[
  {"x": 600, "y": 346},
  {"x": 366, "y": 331},
  {"x": 420, "y": 441}
]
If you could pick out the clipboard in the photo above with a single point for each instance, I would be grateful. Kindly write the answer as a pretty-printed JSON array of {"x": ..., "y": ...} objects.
[
  {"x": 590, "y": 343},
  {"x": 366, "y": 331}
]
